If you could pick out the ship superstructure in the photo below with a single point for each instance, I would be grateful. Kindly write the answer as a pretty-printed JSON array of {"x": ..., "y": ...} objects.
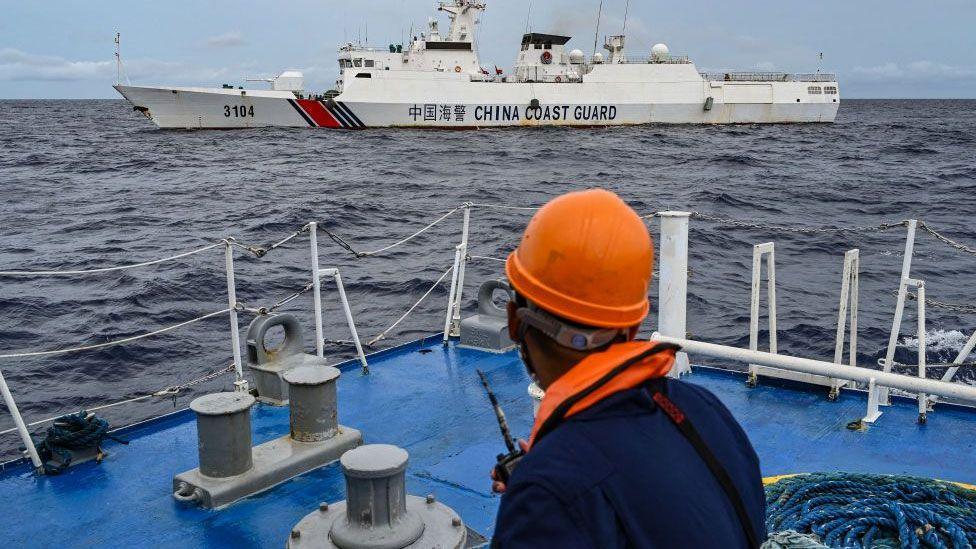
[{"x": 438, "y": 81}]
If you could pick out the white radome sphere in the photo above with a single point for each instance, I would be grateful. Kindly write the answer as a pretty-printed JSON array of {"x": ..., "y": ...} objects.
[
  {"x": 576, "y": 57},
  {"x": 660, "y": 52},
  {"x": 598, "y": 58}
]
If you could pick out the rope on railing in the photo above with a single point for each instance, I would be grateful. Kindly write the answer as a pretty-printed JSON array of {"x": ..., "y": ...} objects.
[
  {"x": 166, "y": 392},
  {"x": 953, "y": 307},
  {"x": 487, "y": 258},
  {"x": 505, "y": 207},
  {"x": 116, "y": 342},
  {"x": 805, "y": 230},
  {"x": 278, "y": 304},
  {"x": 382, "y": 335},
  {"x": 348, "y": 247},
  {"x": 261, "y": 251},
  {"x": 258, "y": 251},
  {"x": 946, "y": 239},
  {"x": 110, "y": 269},
  {"x": 896, "y": 364}
]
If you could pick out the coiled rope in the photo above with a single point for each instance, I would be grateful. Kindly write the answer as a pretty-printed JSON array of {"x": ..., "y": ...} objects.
[
  {"x": 861, "y": 510},
  {"x": 69, "y": 433}
]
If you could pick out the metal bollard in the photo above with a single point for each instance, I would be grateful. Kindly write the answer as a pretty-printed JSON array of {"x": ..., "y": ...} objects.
[
  {"x": 224, "y": 433},
  {"x": 313, "y": 413},
  {"x": 378, "y": 513},
  {"x": 376, "y": 499}
]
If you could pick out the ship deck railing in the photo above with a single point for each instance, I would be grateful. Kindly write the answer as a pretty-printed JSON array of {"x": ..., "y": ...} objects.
[
  {"x": 672, "y": 313},
  {"x": 769, "y": 77}
]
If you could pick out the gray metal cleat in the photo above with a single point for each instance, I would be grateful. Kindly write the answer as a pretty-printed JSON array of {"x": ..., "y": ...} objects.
[
  {"x": 378, "y": 513},
  {"x": 269, "y": 365},
  {"x": 230, "y": 469},
  {"x": 488, "y": 330}
]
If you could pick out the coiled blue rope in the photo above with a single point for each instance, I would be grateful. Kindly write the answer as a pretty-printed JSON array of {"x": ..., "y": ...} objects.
[
  {"x": 872, "y": 511},
  {"x": 72, "y": 432}
]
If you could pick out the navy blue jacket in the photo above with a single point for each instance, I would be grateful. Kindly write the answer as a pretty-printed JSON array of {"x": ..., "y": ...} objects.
[{"x": 621, "y": 474}]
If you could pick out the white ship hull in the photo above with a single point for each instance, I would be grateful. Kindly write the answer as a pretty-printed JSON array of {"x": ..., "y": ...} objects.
[{"x": 457, "y": 104}]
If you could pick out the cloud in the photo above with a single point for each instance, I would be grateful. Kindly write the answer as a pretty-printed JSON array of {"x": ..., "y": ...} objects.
[
  {"x": 748, "y": 43},
  {"x": 227, "y": 40},
  {"x": 913, "y": 71},
  {"x": 19, "y": 66},
  {"x": 16, "y": 65}
]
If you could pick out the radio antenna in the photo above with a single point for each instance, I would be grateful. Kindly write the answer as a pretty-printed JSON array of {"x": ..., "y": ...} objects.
[
  {"x": 528, "y": 17},
  {"x": 626, "y": 14},
  {"x": 118, "y": 58},
  {"x": 596, "y": 37},
  {"x": 499, "y": 414}
]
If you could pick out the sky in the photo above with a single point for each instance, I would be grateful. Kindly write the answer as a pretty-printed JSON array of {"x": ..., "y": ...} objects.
[{"x": 878, "y": 48}]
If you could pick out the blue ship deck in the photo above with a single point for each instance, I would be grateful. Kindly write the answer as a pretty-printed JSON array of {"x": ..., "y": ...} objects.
[{"x": 427, "y": 398}]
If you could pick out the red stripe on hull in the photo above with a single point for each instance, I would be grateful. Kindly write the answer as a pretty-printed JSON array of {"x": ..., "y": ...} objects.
[{"x": 317, "y": 112}]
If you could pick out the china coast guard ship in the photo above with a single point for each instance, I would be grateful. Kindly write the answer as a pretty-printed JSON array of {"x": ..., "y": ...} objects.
[{"x": 437, "y": 81}]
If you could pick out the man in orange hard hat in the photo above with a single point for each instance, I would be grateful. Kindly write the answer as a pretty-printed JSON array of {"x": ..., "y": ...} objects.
[{"x": 620, "y": 455}]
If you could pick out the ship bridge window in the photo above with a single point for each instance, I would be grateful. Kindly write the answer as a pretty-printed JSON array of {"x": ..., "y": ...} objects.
[
  {"x": 358, "y": 62},
  {"x": 538, "y": 46},
  {"x": 814, "y": 90},
  {"x": 548, "y": 45},
  {"x": 525, "y": 47},
  {"x": 370, "y": 63},
  {"x": 830, "y": 90}
]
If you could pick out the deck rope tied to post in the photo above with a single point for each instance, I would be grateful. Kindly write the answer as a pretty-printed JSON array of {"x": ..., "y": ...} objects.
[
  {"x": 945, "y": 239},
  {"x": 382, "y": 335},
  {"x": 67, "y": 272},
  {"x": 953, "y": 307},
  {"x": 171, "y": 392},
  {"x": 348, "y": 247},
  {"x": 797, "y": 229},
  {"x": 862, "y": 510},
  {"x": 261, "y": 251},
  {"x": 73, "y": 432},
  {"x": 116, "y": 342}
]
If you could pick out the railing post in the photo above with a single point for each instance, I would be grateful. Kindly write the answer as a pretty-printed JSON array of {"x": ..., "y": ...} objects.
[
  {"x": 349, "y": 320},
  {"x": 240, "y": 384},
  {"x": 673, "y": 284},
  {"x": 456, "y": 315},
  {"x": 316, "y": 290},
  {"x": 449, "y": 317},
  {"x": 906, "y": 271},
  {"x": 848, "y": 297},
  {"x": 8, "y": 399},
  {"x": 767, "y": 249},
  {"x": 923, "y": 399}
]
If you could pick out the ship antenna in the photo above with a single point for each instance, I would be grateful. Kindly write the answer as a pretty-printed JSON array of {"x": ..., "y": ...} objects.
[
  {"x": 118, "y": 58},
  {"x": 626, "y": 14},
  {"x": 528, "y": 17},
  {"x": 119, "y": 68},
  {"x": 596, "y": 37}
]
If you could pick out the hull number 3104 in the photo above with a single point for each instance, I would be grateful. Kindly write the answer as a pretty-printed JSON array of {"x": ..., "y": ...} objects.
[{"x": 239, "y": 111}]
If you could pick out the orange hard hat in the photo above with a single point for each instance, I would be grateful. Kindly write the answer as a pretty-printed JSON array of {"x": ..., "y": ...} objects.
[{"x": 586, "y": 257}]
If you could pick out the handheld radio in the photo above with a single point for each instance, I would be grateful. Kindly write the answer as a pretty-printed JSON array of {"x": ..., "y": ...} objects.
[{"x": 506, "y": 462}]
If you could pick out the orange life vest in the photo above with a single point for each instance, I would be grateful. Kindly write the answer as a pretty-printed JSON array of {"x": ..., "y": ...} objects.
[{"x": 592, "y": 370}]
